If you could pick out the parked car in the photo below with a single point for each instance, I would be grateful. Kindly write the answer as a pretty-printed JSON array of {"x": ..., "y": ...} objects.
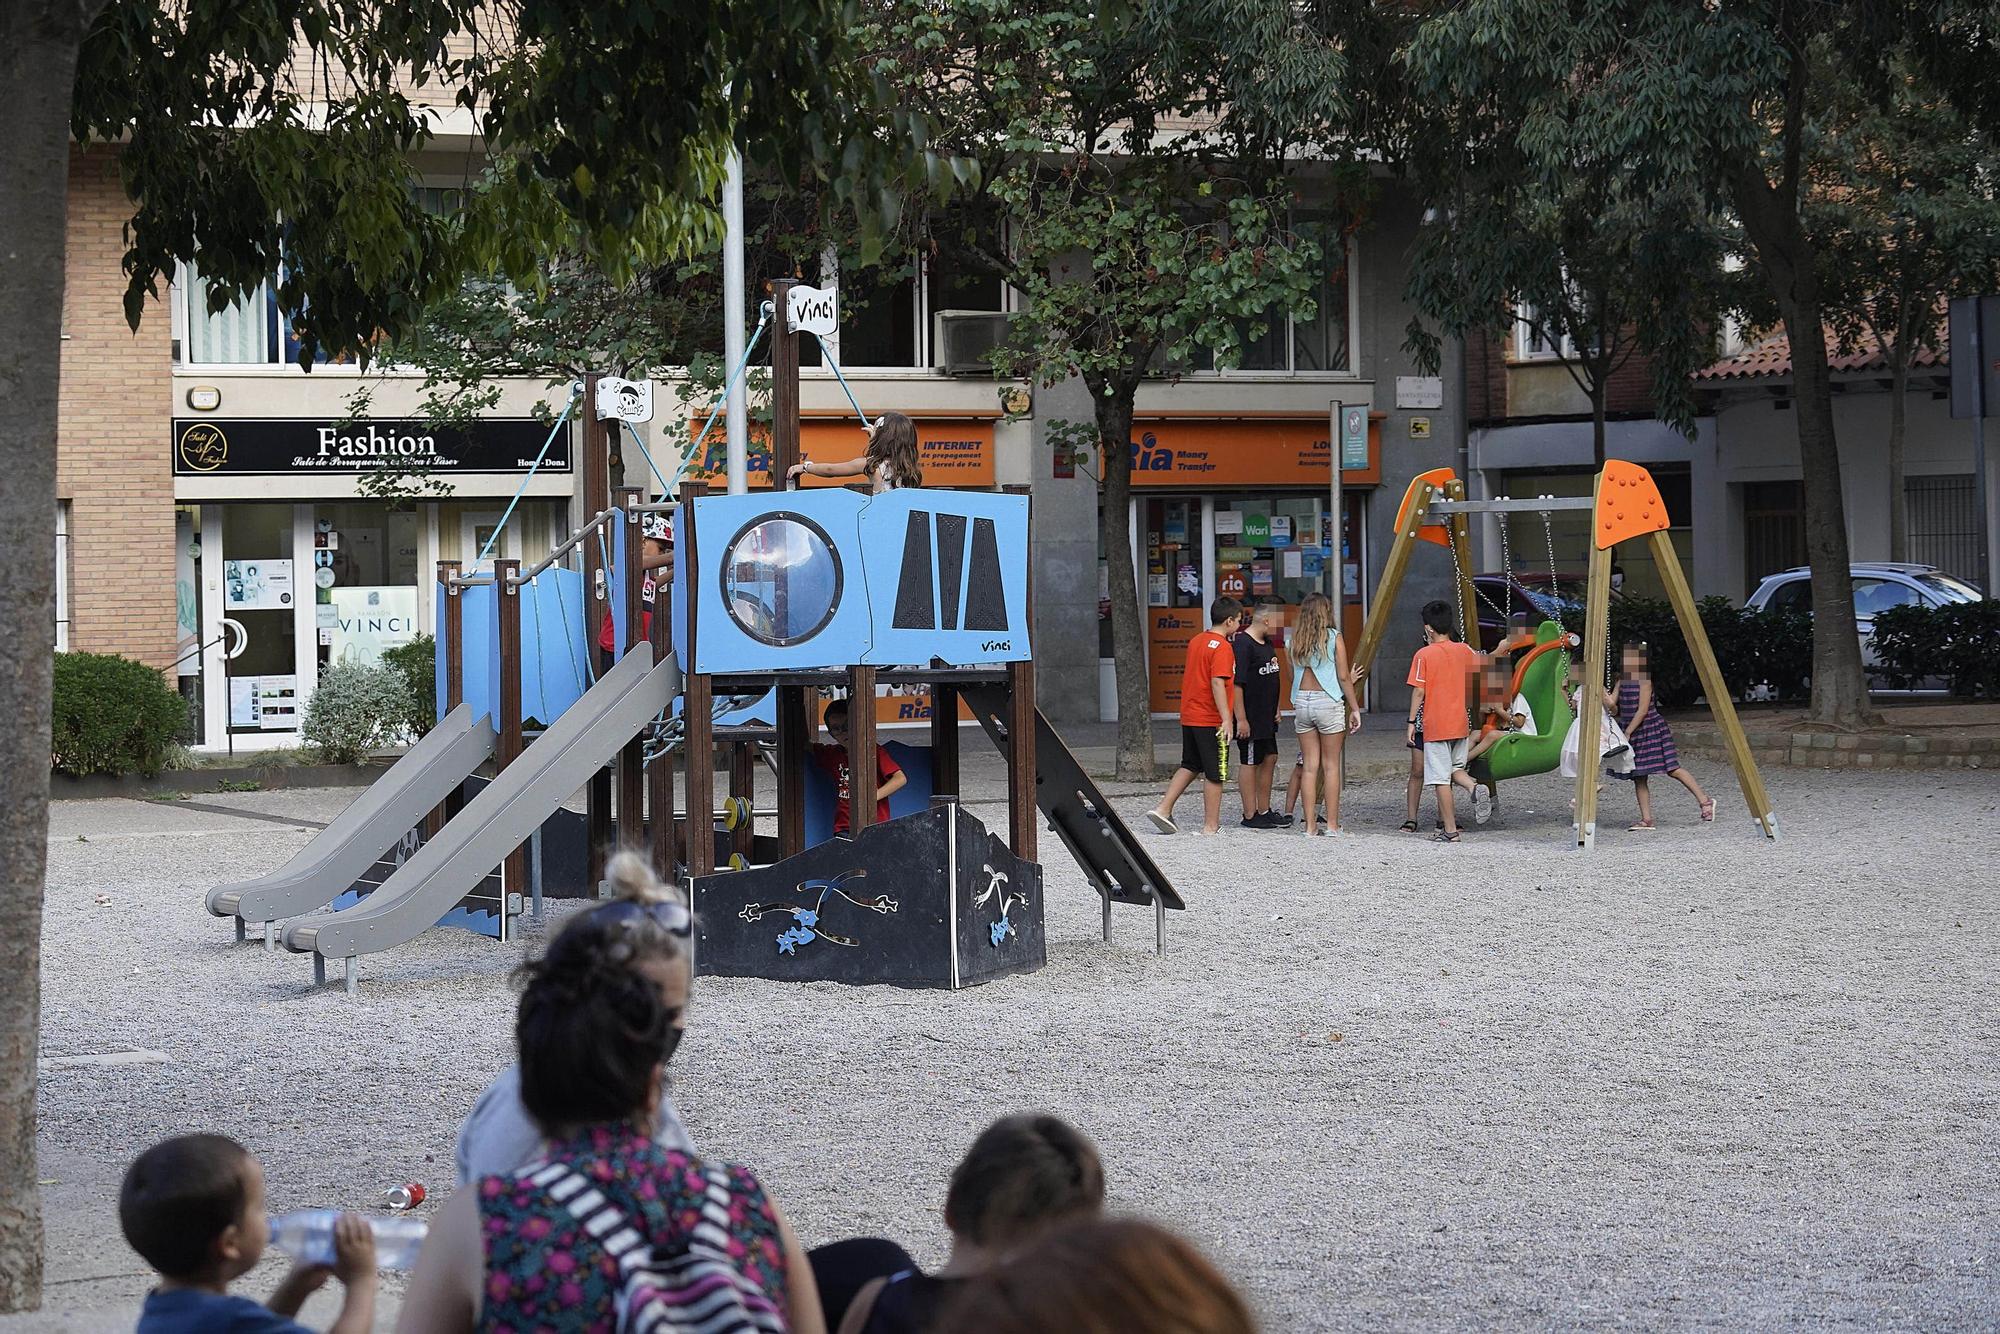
[
  {"x": 1878, "y": 585},
  {"x": 1530, "y": 594}
]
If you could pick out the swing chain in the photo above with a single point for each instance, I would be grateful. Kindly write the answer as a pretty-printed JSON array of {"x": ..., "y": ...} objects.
[{"x": 1507, "y": 576}]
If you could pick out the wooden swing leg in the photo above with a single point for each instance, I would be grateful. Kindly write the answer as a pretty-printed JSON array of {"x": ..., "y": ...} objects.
[
  {"x": 1590, "y": 696},
  {"x": 1713, "y": 686},
  {"x": 1393, "y": 569},
  {"x": 1460, "y": 529}
]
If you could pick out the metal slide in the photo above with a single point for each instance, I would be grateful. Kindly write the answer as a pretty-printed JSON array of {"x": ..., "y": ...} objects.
[
  {"x": 499, "y": 819},
  {"x": 339, "y": 854}
]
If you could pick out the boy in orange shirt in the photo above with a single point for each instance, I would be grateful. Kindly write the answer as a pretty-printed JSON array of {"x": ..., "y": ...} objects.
[
  {"x": 1440, "y": 673},
  {"x": 1208, "y": 713}
]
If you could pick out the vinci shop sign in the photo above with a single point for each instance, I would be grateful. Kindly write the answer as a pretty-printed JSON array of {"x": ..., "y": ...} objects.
[{"x": 286, "y": 446}]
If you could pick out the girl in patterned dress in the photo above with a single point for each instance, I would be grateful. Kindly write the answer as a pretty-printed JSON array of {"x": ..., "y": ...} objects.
[
  {"x": 1652, "y": 744},
  {"x": 601, "y": 1014}
]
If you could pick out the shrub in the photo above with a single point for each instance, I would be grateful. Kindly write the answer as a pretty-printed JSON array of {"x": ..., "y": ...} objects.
[
  {"x": 416, "y": 664},
  {"x": 1751, "y": 647},
  {"x": 1959, "y": 642},
  {"x": 354, "y": 710},
  {"x": 111, "y": 715}
]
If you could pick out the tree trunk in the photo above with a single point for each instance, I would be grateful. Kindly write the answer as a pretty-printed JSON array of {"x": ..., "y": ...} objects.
[
  {"x": 1899, "y": 507},
  {"x": 38, "y": 54},
  {"x": 1598, "y": 394},
  {"x": 1839, "y": 688},
  {"x": 1128, "y": 630}
]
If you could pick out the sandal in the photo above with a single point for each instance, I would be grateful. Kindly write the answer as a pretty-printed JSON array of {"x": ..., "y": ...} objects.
[
  {"x": 1643, "y": 827},
  {"x": 1708, "y": 810},
  {"x": 1407, "y": 827},
  {"x": 1443, "y": 836}
]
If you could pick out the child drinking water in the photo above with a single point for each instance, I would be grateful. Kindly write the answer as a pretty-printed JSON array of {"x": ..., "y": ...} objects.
[
  {"x": 1652, "y": 744},
  {"x": 891, "y": 460}
]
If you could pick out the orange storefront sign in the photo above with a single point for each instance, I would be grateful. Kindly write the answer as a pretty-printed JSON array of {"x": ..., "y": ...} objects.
[
  {"x": 1169, "y": 629},
  {"x": 953, "y": 452},
  {"x": 1201, "y": 455}
]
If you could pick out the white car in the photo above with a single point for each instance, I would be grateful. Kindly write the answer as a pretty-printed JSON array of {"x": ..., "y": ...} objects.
[{"x": 1878, "y": 585}]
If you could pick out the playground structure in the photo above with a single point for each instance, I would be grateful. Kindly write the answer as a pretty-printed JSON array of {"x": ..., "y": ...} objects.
[
  {"x": 1625, "y": 505},
  {"x": 773, "y": 596}
]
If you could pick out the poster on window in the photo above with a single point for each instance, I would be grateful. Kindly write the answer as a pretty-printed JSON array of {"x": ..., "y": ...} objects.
[
  {"x": 1260, "y": 577},
  {"x": 369, "y": 620},
  {"x": 270, "y": 703},
  {"x": 257, "y": 585}
]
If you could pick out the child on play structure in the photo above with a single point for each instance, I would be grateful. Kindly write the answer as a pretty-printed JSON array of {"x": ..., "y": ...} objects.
[
  {"x": 889, "y": 776},
  {"x": 193, "y": 1207},
  {"x": 1439, "y": 677},
  {"x": 891, "y": 460},
  {"x": 1652, "y": 743},
  {"x": 658, "y": 554},
  {"x": 1208, "y": 716},
  {"x": 1022, "y": 1176},
  {"x": 1257, "y": 713}
]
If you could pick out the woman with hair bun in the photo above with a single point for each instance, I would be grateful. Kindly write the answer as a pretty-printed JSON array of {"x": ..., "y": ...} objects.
[{"x": 601, "y": 1013}]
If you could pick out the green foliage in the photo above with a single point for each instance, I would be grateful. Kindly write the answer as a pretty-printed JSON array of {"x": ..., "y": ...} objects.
[
  {"x": 415, "y": 666},
  {"x": 1753, "y": 648},
  {"x": 1958, "y": 643},
  {"x": 354, "y": 710},
  {"x": 238, "y": 785},
  {"x": 111, "y": 715}
]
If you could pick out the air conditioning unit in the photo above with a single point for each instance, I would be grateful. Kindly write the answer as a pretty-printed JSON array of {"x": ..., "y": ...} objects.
[{"x": 963, "y": 338}]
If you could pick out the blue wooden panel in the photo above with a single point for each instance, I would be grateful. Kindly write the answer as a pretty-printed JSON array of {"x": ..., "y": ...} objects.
[
  {"x": 916, "y": 542},
  {"x": 556, "y": 640}
]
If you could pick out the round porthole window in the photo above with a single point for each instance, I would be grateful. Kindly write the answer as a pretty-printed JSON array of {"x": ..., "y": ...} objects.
[{"x": 781, "y": 579}]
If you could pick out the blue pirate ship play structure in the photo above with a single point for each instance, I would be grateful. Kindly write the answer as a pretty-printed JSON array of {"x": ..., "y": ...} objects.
[{"x": 774, "y": 597}]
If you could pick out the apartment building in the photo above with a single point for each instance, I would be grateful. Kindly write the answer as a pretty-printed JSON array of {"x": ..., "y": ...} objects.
[{"x": 217, "y": 517}]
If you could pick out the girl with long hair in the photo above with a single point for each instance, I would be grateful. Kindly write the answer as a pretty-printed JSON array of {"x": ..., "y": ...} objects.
[
  {"x": 1324, "y": 706},
  {"x": 891, "y": 460}
]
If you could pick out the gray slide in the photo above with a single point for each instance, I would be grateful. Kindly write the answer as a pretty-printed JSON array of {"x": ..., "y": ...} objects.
[
  {"x": 500, "y": 818},
  {"x": 328, "y": 866}
]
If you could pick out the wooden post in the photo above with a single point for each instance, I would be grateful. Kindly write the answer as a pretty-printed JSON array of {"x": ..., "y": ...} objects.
[
  {"x": 452, "y": 651},
  {"x": 697, "y": 710},
  {"x": 632, "y": 757},
  {"x": 596, "y": 499},
  {"x": 508, "y": 601},
  {"x": 1719, "y": 702},
  {"x": 660, "y": 778},
  {"x": 1023, "y": 820},
  {"x": 944, "y": 739},
  {"x": 1460, "y": 531},
  {"x": 860, "y": 748},
  {"x": 794, "y": 720},
  {"x": 1590, "y": 696},
  {"x": 1384, "y": 605}
]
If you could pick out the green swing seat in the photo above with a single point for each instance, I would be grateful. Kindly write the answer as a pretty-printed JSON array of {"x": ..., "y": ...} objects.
[{"x": 1517, "y": 754}]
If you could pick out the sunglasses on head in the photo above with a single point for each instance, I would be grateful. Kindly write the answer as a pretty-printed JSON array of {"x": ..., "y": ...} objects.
[{"x": 626, "y": 918}]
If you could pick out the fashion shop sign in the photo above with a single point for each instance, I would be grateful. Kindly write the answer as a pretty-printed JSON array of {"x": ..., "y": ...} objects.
[{"x": 283, "y": 446}]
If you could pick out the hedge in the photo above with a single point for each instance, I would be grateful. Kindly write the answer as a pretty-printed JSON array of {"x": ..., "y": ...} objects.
[
  {"x": 111, "y": 715},
  {"x": 353, "y": 710},
  {"x": 1958, "y": 643},
  {"x": 1767, "y": 649},
  {"x": 415, "y": 664}
]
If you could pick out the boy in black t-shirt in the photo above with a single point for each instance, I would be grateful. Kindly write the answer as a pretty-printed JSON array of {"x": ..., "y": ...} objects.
[{"x": 1257, "y": 715}]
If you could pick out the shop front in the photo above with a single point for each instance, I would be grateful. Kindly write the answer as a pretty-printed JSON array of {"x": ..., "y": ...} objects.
[
  {"x": 293, "y": 555},
  {"x": 1242, "y": 507}
]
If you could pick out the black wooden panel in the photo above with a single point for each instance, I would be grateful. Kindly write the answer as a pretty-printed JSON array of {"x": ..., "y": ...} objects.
[
  {"x": 913, "y": 590},
  {"x": 985, "y": 595},
  {"x": 951, "y": 566}
]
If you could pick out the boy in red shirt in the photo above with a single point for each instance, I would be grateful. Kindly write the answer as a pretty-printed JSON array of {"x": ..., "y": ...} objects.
[
  {"x": 1439, "y": 674},
  {"x": 889, "y": 776},
  {"x": 1208, "y": 714}
]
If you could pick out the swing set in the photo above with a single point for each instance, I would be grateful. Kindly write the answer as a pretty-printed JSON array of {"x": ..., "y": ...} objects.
[{"x": 1624, "y": 505}]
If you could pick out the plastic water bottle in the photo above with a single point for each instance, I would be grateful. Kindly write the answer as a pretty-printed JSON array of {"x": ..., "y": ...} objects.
[{"x": 307, "y": 1236}]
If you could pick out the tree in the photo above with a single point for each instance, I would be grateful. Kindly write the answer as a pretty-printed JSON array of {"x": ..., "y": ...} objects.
[
  {"x": 1726, "y": 101},
  {"x": 1538, "y": 212},
  {"x": 268, "y": 129},
  {"x": 1902, "y": 204},
  {"x": 1133, "y": 186}
]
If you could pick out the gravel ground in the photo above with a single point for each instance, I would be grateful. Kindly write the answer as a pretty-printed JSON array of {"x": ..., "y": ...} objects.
[{"x": 1690, "y": 1080}]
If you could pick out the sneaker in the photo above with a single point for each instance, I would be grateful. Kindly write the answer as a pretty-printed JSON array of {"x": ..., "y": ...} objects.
[
  {"x": 1279, "y": 820},
  {"x": 1482, "y": 805},
  {"x": 1254, "y": 822}
]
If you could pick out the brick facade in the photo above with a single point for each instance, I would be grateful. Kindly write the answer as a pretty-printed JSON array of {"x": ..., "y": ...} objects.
[{"x": 112, "y": 464}]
